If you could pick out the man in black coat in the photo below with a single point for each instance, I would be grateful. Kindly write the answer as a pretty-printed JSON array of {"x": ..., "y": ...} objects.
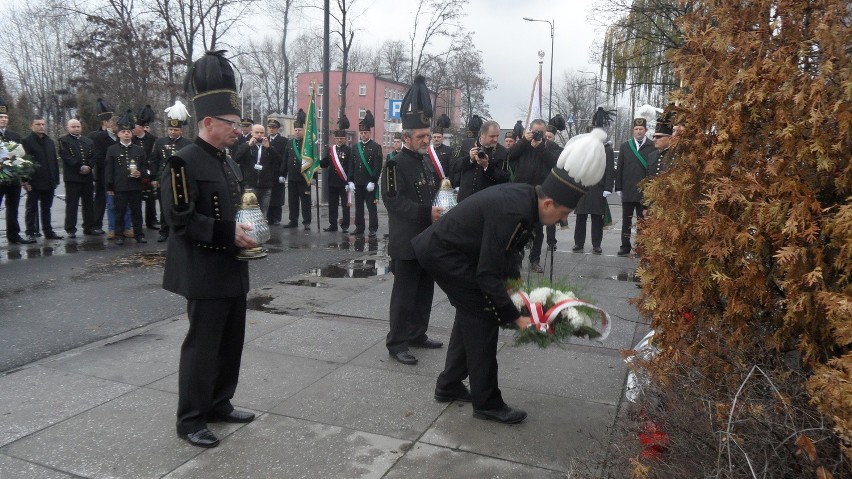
[
  {"x": 337, "y": 163},
  {"x": 632, "y": 168},
  {"x": 201, "y": 194},
  {"x": 102, "y": 139},
  {"x": 126, "y": 167},
  {"x": 144, "y": 138},
  {"x": 471, "y": 252},
  {"x": 78, "y": 157},
  {"x": 530, "y": 161},
  {"x": 260, "y": 165},
  {"x": 409, "y": 185},
  {"x": 277, "y": 142},
  {"x": 164, "y": 148},
  {"x": 44, "y": 181},
  {"x": 11, "y": 190},
  {"x": 299, "y": 190},
  {"x": 364, "y": 171},
  {"x": 442, "y": 152},
  {"x": 396, "y": 146},
  {"x": 594, "y": 204},
  {"x": 481, "y": 162}
]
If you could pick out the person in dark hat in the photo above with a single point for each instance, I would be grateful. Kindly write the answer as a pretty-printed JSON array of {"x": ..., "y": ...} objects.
[
  {"x": 176, "y": 118},
  {"x": 409, "y": 185},
  {"x": 396, "y": 146},
  {"x": 442, "y": 152},
  {"x": 594, "y": 204},
  {"x": 102, "y": 139},
  {"x": 472, "y": 252},
  {"x": 143, "y": 137},
  {"x": 631, "y": 170},
  {"x": 245, "y": 132},
  {"x": 11, "y": 190},
  {"x": 481, "y": 161},
  {"x": 365, "y": 168},
  {"x": 336, "y": 160},
  {"x": 278, "y": 143},
  {"x": 201, "y": 194},
  {"x": 126, "y": 167},
  {"x": 77, "y": 154},
  {"x": 510, "y": 139},
  {"x": 299, "y": 190},
  {"x": 43, "y": 182},
  {"x": 664, "y": 136}
]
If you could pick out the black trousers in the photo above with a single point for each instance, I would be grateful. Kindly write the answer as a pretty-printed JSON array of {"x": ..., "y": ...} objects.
[
  {"x": 580, "y": 230},
  {"x": 299, "y": 193},
  {"x": 627, "y": 209},
  {"x": 276, "y": 201},
  {"x": 210, "y": 360},
  {"x": 12, "y": 194},
  {"x": 362, "y": 196},
  {"x": 38, "y": 200},
  {"x": 538, "y": 238},
  {"x": 77, "y": 193},
  {"x": 410, "y": 305},
  {"x": 151, "y": 207},
  {"x": 100, "y": 204},
  {"x": 123, "y": 200},
  {"x": 337, "y": 196},
  {"x": 164, "y": 226}
]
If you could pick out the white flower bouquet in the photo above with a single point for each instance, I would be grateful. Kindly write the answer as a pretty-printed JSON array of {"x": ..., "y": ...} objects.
[{"x": 15, "y": 165}]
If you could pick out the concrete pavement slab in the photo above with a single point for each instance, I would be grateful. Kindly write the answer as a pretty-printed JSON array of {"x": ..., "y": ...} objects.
[
  {"x": 383, "y": 402},
  {"x": 131, "y": 436},
  {"x": 431, "y": 361},
  {"x": 33, "y": 398},
  {"x": 555, "y": 434},
  {"x": 257, "y": 324},
  {"x": 278, "y": 447},
  {"x": 573, "y": 373},
  {"x": 425, "y": 461},
  {"x": 11, "y": 468},
  {"x": 371, "y": 302},
  {"x": 321, "y": 339}
]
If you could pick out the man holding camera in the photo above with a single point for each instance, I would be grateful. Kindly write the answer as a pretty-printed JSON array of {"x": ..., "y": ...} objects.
[
  {"x": 531, "y": 160},
  {"x": 260, "y": 166},
  {"x": 482, "y": 161}
]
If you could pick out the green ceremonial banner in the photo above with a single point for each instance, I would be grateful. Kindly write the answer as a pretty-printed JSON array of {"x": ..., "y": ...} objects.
[{"x": 310, "y": 157}]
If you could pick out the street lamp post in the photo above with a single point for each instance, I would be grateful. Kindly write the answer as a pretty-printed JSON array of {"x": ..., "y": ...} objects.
[{"x": 550, "y": 94}]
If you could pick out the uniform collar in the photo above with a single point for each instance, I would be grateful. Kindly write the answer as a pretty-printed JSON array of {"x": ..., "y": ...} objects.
[{"x": 210, "y": 149}]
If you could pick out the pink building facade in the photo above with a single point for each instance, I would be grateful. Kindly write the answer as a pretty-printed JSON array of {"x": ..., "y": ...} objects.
[{"x": 367, "y": 91}]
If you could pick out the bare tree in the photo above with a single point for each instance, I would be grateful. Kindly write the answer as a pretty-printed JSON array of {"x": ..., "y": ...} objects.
[
  {"x": 433, "y": 19},
  {"x": 364, "y": 60},
  {"x": 394, "y": 60},
  {"x": 344, "y": 18},
  {"x": 467, "y": 73},
  {"x": 263, "y": 68},
  {"x": 286, "y": 10}
]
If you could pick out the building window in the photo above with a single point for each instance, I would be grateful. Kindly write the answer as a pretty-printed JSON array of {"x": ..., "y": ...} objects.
[
  {"x": 362, "y": 89},
  {"x": 362, "y": 112},
  {"x": 320, "y": 89},
  {"x": 310, "y": 89}
]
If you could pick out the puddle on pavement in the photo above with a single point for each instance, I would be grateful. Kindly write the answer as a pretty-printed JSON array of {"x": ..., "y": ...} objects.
[
  {"x": 358, "y": 244},
  {"x": 259, "y": 303},
  {"x": 353, "y": 268},
  {"x": 305, "y": 282},
  {"x": 55, "y": 248}
]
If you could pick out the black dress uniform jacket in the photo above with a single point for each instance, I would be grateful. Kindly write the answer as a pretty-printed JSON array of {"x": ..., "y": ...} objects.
[
  {"x": 445, "y": 156},
  {"x": 531, "y": 165},
  {"x": 593, "y": 202},
  {"x": 409, "y": 185},
  {"x": 476, "y": 247},
  {"x": 76, "y": 152},
  {"x": 270, "y": 162},
  {"x": 102, "y": 141},
  {"x": 291, "y": 164},
  {"x": 344, "y": 154},
  {"x": 357, "y": 171},
  {"x": 630, "y": 170},
  {"x": 200, "y": 259},
  {"x": 43, "y": 151},
  {"x": 164, "y": 148},
  {"x": 473, "y": 177},
  {"x": 10, "y": 135},
  {"x": 117, "y": 167}
]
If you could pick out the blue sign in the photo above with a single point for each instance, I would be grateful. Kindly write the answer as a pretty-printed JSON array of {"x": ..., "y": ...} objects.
[{"x": 394, "y": 106}]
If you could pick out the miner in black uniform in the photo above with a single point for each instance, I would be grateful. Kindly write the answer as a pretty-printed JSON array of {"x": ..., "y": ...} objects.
[
  {"x": 364, "y": 171},
  {"x": 472, "y": 252},
  {"x": 594, "y": 204},
  {"x": 277, "y": 142},
  {"x": 396, "y": 148},
  {"x": 460, "y": 158},
  {"x": 102, "y": 139},
  {"x": 11, "y": 190},
  {"x": 482, "y": 161},
  {"x": 126, "y": 166},
  {"x": 631, "y": 170},
  {"x": 530, "y": 162},
  {"x": 443, "y": 152},
  {"x": 510, "y": 139},
  {"x": 337, "y": 163},
  {"x": 78, "y": 157},
  {"x": 41, "y": 186},
  {"x": 409, "y": 185},
  {"x": 201, "y": 194},
  {"x": 260, "y": 165},
  {"x": 291, "y": 169},
  {"x": 144, "y": 138},
  {"x": 664, "y": 136},
  {"x": 164, "y": 148}
]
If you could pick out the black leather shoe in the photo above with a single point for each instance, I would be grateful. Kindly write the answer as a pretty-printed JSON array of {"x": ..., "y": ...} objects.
[
  {"x": 536, "y": 268},
  {"x": 358, "y": 232},
  {"x": 505, "y": 415},
  {"x": 307, "y": 227},
  {"x": 372, "y": 234},
  {"x": 404, "y": 357},
  {"x": 71, "y": 235},
  {"x": 234, "y": 416},
  {"x": 429, "y": 343},
  {"x": 463, "y": 395},
  {"x": 141, "y": 239},
  {"x": 162, "y": 238},
  {"x": 330, "y": 228},
  {"x": 93, "y": 232},
  {"x": 119, "y": 240},
  {"x": 577, "y": 248},
  {"x": 597, "y": 250},
  {"x": 201, "y": 438},
  {"x": 153, "y": 227},
  {"x": 290, "y": 225},
  {"x": 623, "y": 252},
  {"x": 52, "y": 235},
  {"x": 21, "y": 240},
  {"x": 345, "y": 230}
]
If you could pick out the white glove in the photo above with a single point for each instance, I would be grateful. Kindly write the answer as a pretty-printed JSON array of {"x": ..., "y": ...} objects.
[
  {"x": 607, "y": 193},
  {"x": 281, "y": 179},
  {"x": 618, "y": 193},
  {"x": 350, "y": 186},
  {"x": 371, "y": 186}
]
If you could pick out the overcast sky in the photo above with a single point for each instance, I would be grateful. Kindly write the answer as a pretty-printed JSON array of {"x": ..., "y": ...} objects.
[{"x": 508, "y": 43}]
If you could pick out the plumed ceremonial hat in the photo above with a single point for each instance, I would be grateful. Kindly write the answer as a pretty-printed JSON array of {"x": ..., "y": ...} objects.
[
  {"x": 442, "y": 123},
  {"x": 342, "y": 126},
  {"x": 665, "y": 123},
  {"x": 145, "y": 115},
  {"x": 581, "y": 164},
  {"x": 4, "y": 109},
  {"x": 416, "y": 108},
  {"x": 474, "y": 124},
  {"x": 518, "y": 129},
  {"x": 602, "y": 117},
  {"x": 301, "y": 117},
  {"x": 367, "y": 123},
  {"x": 103, "y": 109},
  {"x": 176, "y": 115},
  {"x": 212, "y": 84},
  {"x": 557, "y": 123},
  {"x": 127, "y": 121},
  {"x": 640, "y": 122}
]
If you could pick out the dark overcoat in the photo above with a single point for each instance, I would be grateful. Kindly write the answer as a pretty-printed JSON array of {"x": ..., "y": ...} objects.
[{"x": 409, "y": 185}]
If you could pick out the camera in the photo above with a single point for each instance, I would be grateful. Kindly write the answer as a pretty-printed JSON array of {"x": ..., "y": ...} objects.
[
  {"x": 537, "y": 136},
  {"x": 480, "y": 153}
]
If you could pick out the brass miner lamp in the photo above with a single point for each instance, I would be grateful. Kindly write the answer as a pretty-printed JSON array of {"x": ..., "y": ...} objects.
[{"x": 250, "y": 213}]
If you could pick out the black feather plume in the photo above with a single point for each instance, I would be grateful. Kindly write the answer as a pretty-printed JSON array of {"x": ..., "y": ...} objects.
[
  {"x": 443, "y": 121},
  {"x": 518, "y": 129},
  {"x": 474, "y": 123},
  {"x": 417, "y": 98},
  {"x": 301, "y": 116},
  {"x": 343, "y": 123},
  {"x": 145, "y": 115},
  {"x": 127, "y": 120},
  {"x": 211, "y": 72},
  {"x": 103, "y": 106},
  {"x": 558, "y": 122},
  {"x": 602, "y": 118},
  {"x": 369, "y": 121}
]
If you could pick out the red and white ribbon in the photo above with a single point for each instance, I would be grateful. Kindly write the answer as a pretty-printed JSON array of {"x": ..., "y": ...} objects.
[
  {"x": 337, "y": 165},
  {"x": 543, "y": 320},
  {"x": 433, "y": 155}
]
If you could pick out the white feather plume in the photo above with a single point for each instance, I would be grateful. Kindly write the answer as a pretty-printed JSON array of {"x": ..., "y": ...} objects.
[
  {"x": 177, "y": 111},
  {"x": 584, "y": 157},
  {"x": 648, "y": 112}
]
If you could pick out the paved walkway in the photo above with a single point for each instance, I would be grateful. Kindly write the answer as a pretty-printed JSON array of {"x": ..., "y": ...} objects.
[{"x": 330, "y": 403}]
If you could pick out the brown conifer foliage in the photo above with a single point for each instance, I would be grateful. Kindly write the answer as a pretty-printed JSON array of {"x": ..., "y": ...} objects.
[{"x": 750, "y": 231}]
